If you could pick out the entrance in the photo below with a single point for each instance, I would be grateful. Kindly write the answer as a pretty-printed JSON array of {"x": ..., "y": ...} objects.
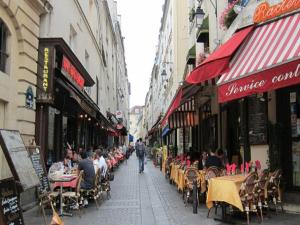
[{"x": 288, "y": 118}]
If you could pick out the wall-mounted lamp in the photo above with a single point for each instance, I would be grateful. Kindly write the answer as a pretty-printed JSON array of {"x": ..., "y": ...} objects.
[{"x": 199, "y": 15}]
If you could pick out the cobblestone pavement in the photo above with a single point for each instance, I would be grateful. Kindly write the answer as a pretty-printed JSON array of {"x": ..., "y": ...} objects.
[{"x": 145, "y": 199}]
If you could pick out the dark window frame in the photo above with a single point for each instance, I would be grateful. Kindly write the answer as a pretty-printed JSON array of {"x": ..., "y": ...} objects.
[{"x": 4, "y": 32}]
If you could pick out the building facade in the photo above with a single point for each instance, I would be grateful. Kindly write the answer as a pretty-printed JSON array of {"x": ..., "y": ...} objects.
[{"x": 136, "y": 122}]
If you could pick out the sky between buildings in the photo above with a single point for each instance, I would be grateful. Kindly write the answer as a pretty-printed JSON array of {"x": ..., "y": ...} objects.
[{"x": 140, "y": 21}]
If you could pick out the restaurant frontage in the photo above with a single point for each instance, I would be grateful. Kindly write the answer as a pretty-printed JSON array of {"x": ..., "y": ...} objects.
[
  {"x": 263, "y": 79},
  {"x": 248, "y": 103},
  {"x": 66, "y": 116}
]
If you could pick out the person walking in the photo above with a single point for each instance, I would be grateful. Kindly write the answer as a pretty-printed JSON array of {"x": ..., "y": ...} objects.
[{"x": 140, "y": 151}]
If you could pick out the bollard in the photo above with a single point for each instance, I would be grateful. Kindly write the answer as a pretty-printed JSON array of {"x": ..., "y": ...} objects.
[{"x": 195, "y": 199}]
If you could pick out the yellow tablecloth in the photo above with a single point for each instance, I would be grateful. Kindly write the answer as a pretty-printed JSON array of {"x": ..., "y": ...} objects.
[
  {"x": 202, "y": 181},
  {"x": 225, "y": 189},
  {"x": 176, "y": 171},
  {"x": 164, "y": 167},
  {"x": 181, "y": 180}
]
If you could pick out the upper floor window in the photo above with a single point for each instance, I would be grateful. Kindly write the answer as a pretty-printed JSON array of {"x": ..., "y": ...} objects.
[
  {"x": 3, "y": 46},
  {"x": 72, "y": 38}
]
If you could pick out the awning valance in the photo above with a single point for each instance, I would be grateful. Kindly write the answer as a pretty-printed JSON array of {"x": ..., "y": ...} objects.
[
  {"x": 269, "y": 59},
  {"x": 217, "y": 63},
  {"x": 184, "y": 94}
]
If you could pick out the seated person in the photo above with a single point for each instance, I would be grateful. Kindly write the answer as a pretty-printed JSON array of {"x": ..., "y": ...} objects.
[
  {"x": 101, "y": 163},
  {"x": 86, "y": 164},
  {"x": 213, "y": 160},
  {"x": 68, "y": 159}
]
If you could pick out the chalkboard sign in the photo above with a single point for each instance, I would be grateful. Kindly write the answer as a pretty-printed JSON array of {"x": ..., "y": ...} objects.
[
  {"x": 257, "y": 121},
  {"x": 10, "y": 210},
  {"x": 39, "y": 167},
  {"x": 18, "y": 159}
]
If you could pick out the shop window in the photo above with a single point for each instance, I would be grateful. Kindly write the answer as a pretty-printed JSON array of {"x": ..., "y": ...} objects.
[{"x": 3, "y": 46}]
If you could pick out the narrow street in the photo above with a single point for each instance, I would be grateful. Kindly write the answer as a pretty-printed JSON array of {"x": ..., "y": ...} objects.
[{"x": 145, "y": 199}]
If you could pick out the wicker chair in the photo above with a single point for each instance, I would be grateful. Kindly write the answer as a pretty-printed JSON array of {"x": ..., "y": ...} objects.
[
  {"x": 260, "y": 189},
  {"x": 190, "y": 176},
  {"x": 247, "y": 195},
  {"x": 273, "y": 189},
  {"x": 74, "y": 196},
  {"x": 212, "y": 172},
  {"x": 93, "y": 193}
]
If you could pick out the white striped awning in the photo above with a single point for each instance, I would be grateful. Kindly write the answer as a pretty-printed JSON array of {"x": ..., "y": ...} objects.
[{"x": 269, "y": 46}]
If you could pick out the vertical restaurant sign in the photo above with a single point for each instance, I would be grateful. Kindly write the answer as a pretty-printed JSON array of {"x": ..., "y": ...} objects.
[
  {"x": 265, "y": 11},
  {"x": 72, "y": 72},
  {"x": 45, "y": 72}
]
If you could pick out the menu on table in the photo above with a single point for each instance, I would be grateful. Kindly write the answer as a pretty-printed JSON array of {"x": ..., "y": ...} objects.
[{"x": 10, "y": 210}]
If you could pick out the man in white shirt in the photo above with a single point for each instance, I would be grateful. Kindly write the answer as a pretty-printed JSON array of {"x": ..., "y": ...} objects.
[{"x": 101, "y": 163}]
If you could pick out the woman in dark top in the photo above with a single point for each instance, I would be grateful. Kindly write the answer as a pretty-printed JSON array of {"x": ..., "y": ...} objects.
[{"x": 213, "y": 160}]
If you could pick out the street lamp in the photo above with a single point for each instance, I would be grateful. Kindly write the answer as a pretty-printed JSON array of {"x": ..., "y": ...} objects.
[{"x": 199, "y": 15}]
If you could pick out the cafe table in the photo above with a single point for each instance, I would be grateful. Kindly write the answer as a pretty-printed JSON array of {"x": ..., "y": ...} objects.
[
  {"x": 63, "y": 181},
  {"x": 225, "y": 189}
]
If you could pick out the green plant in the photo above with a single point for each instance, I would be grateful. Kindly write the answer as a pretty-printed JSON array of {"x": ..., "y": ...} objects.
[{"x": 230, "y": 18}]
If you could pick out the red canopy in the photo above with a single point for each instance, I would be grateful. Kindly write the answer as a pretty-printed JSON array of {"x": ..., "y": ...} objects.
[
  {"x": 268, "y": 60},
  {"x": 218, "y": 61},
  {"x": 175, "y": 104}
]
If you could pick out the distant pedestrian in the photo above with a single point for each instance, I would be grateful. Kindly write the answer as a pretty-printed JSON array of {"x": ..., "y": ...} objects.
[{"x": 140, "y": 151}]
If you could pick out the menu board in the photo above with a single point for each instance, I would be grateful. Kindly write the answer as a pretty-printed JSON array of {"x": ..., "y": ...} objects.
[
  {"x": 39, "y": 167},
  {"x": 257, "y": 121},
  {"x": 18, "y": 159},
  {"x": 10, "y": 210}
]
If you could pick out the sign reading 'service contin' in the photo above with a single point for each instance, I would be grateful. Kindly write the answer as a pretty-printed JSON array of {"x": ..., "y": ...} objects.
[
  {"x": 265, "y": 11},
  {"x": 274, "y": 78}
]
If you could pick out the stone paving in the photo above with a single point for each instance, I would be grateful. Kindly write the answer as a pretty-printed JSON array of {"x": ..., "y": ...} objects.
[{"x": 145, "y": 199}]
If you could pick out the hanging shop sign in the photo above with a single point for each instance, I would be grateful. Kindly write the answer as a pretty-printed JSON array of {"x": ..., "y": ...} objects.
[
  {"x": 45, "y": 74},
  {"x": 265, "y": 11},
  {"x": 72, "y": 72},
  {"x": 119, "y": 114}
]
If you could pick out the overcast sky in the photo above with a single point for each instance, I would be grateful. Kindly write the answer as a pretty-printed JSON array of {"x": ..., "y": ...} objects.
[{"x": 140, "y": 27}]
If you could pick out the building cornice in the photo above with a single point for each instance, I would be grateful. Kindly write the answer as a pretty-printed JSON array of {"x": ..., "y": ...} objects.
[{"x": 39, "y": 6}]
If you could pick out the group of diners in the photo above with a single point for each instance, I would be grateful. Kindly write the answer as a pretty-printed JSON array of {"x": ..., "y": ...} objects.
[{"x": 90, "y": 162}]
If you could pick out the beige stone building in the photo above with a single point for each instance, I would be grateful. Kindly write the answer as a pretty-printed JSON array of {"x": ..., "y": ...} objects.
[{"x": 19, "y": 32}]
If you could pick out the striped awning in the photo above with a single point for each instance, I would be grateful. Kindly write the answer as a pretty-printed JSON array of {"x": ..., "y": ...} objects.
[{"x": 267, "y": 60}]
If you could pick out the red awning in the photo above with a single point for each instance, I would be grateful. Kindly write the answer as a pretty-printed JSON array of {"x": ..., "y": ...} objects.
[
  {"x": 218, "y": 62},
  {"x": 268, "y": 60},
  {"x": 175, "y": 104},
  {"x": 184, "y": 94}
]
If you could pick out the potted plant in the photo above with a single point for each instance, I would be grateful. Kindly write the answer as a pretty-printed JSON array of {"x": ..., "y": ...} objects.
[{"x": 228, "y": 15}]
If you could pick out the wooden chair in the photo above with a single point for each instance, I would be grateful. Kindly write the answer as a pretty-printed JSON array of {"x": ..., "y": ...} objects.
[
  {"x": 74, "y": 196},
  {"x": 93, "y": 193},
  {"x": 212, "y": 172},
  {"x": 260, "y": 191},
  {"x": 273, "y": 189},
  {"x": 247, "y": 195},
  {"x": 190, "y": 176}
]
